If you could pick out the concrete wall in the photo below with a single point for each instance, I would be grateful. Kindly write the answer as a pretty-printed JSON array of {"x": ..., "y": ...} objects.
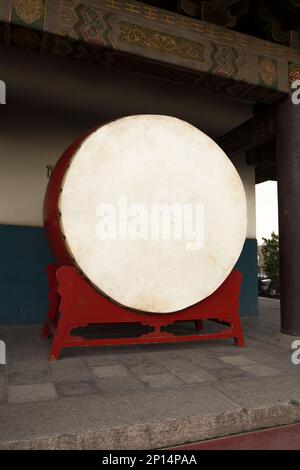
[{"x": 51, "y": 102}]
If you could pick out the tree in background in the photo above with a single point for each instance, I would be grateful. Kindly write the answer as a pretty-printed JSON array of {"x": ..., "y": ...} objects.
[{"x": 270, "y": 251}]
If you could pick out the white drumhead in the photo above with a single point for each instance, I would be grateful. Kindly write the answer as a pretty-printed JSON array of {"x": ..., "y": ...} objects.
[{"x": 154, "y": 213}]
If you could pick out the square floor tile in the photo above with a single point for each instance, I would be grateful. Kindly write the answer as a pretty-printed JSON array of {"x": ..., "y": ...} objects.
[
  {"x": 117, "y": 370},
  {"x": 161, "y": 381},
  {"x": 31, "y": 393}
]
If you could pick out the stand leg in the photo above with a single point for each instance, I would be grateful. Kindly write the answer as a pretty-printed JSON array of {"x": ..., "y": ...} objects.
[
  {"x": 60, "y": 334},
  {"x": 55, "y": 350},
  {"x": 64, "y": 285},
  {"x": 239, "y": 338}
]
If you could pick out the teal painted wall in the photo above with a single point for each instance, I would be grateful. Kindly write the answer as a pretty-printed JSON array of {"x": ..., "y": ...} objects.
[
  {"x": 247, "y": 264},
  {"x": 24, "y": 255}
]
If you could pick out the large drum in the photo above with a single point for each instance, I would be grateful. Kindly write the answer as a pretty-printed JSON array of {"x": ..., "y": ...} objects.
[{"x": 150, "y": 210}]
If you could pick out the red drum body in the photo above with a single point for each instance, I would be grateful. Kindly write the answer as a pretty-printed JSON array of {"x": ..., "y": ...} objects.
[{"x": 54, "y": 234}]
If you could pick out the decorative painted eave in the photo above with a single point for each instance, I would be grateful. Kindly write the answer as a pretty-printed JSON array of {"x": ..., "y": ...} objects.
[{"x": 153, "y": 41}]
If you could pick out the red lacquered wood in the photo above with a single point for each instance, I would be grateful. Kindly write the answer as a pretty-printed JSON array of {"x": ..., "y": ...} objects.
[
  {"x": 53, "y": 231},
  {"x": 74, "y": 303},
  {"x": 279, "y": 438}
]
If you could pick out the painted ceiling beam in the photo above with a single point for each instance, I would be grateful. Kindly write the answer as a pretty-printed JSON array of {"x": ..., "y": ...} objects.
[{"x": 150, "y": 40}]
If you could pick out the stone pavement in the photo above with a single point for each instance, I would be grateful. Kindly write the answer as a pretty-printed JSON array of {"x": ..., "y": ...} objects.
[{"x": 146, "y": 396}]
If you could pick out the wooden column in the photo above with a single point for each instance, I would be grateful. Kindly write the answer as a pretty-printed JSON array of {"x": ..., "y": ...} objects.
[{"x": 288, "y": 174}]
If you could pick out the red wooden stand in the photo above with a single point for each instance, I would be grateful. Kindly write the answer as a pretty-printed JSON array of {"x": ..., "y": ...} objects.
[{"x": 74, "y": 303}]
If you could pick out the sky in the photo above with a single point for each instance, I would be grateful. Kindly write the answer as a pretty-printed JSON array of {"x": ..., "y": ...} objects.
[{"x": 266, "y": 210}]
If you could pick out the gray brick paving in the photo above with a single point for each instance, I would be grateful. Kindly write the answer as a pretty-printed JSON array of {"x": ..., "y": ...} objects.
[
  {"x": 139, "y": 360},
  {"x": 204, "y": 363},
  {"x": 67, "y": 363},
  {"x": 237, "y": 360},
  {"x": 21, "y": 366},
  {"x": 285, "y": 367},
  {"x": 120, "y": 384},
  {"x": 2, "y": 393},
  {"x": 31, "y": 393},
  {"x": 161, "y": 381},
  {"x": 28, "y": 376},
  {"x": 143, "y": 381},
  {"x": 195, "y": 376},
  {"x": 76, "y": 388},
  {"x": 147, "y": 369},
  {"x": 104, "y": 372},
  {"x": 177, "y": 365},
  {"x": 100, "y": 360},
  {"x": 259, "y": 370},
  {"x": 229, "y": 373},
  {"x": 70, "y": 374}
]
